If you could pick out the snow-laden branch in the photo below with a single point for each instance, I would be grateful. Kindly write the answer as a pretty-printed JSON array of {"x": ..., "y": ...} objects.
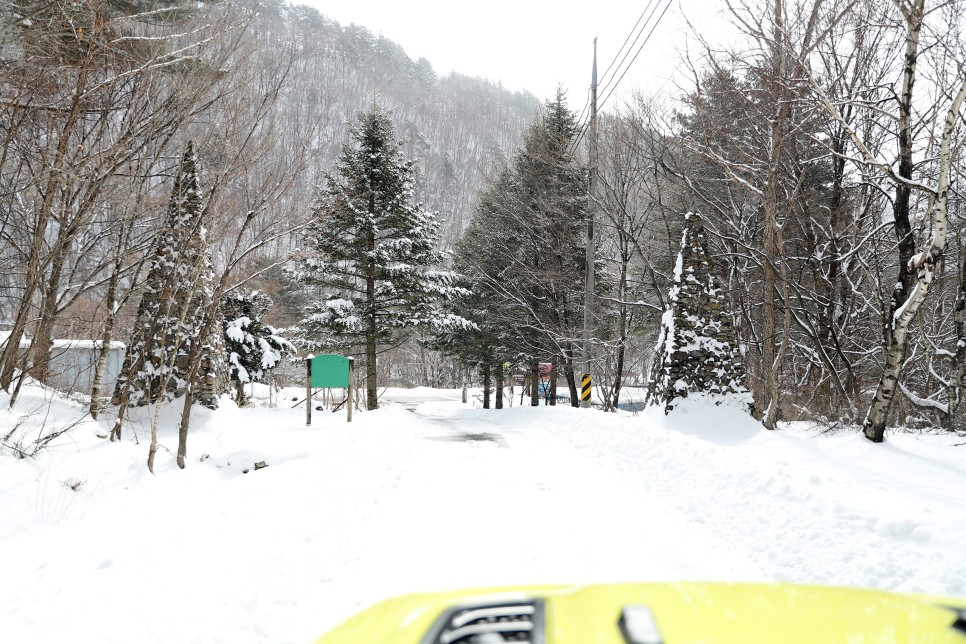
[{"x": 928, "y": 403}]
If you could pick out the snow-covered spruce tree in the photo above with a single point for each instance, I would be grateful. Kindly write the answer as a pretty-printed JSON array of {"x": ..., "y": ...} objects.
[
  {"x": 468, "y": 333},
  {"x": 370, "y": 251},
  {"x": 524, "y": 247},
  {"x": 696, "y": 351},
  {"x": 254, "y": 348},
  {"x": 177, "y": 291}
]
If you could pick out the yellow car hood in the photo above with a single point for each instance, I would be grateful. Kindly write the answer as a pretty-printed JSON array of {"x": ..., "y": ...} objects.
[{"x": 680, "y": 612}]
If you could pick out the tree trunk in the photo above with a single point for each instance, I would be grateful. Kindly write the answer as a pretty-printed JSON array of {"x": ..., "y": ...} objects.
[
  {"x": 372, "y": 394},
  {"x": 153, "y": 447},
  {"x": 878, "y": 415},
  {"x": 623, "y": 314},
  {"x": 11, "y": 358},
  {"x": 486, "y": 386},
  {"x": 43, "y": 337},
  {"x": 925, "y": 267},
  {"x": 957, "y": 378},
  {"x": 119, "y": 422},
  {"x": 534, "y": 384},
  {"x": 499, "y": 384},
  {"x": 829, "y": 321},
  {"x": 552, "y": 389},
  {"x": 770, "y": 392},
  {"x": 894, "y": 338},
  {"x": 211, "y": 323},
  {"x": 618, "y": 378},
  {"x": 186, "y": 421},
  {"x": 35, "y": 263},
  {"x": 571, "y": 377},
  {"x": 240, "y": 399},
  {"x": 106, "y": 338},
  {"x": 424, "y": 368},
  {"x": 901, "y": 205}
]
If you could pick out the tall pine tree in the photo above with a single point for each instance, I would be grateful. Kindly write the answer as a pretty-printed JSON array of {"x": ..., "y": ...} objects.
[
  {"x": 524, "y": 248},
  {"x": 177, "y": 291},
  {"x": 371, "y": 251}
]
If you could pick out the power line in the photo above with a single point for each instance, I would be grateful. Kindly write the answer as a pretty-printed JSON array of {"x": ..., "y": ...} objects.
[
  {"x": 583, "y": 112},
  {"x": 639, "y": 49},
  {"x": 603, "y": 82},
  {"x": 636, "y": 31},
  {"x": 581, "y": 127}
]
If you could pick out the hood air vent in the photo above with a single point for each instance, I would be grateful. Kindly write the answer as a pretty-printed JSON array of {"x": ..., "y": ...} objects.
[{"x": 490, "y": 623}]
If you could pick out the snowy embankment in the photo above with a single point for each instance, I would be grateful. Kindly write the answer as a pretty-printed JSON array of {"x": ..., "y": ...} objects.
[{"x": 428, "y": 493}]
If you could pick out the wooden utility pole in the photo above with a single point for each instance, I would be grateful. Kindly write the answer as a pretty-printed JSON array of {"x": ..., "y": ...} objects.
[{"x": 590, "y": 250}]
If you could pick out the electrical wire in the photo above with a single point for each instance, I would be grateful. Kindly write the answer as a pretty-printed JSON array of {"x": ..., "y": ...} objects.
[
  {"x": 583, "y": 112},
  {"x": 581, "y": 127},
  {"x": 639, "y": 49},
  {"x": 602, "y": 83},
  {"x": 636, "y": 31}
]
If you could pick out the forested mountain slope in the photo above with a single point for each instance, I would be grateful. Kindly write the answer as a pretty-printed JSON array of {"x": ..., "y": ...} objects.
[
  {"x": 99, "y": 100},
  {"x": 459, "y": 128}
]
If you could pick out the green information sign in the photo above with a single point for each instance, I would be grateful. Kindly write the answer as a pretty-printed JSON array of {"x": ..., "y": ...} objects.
[{"x": 329, "y": 370}]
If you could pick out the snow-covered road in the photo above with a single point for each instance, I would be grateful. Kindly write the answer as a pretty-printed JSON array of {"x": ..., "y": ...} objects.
[{"x": 486, "y": 502}]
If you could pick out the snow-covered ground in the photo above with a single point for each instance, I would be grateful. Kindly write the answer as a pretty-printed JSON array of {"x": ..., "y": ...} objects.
[{"x": 427, "y": 494}]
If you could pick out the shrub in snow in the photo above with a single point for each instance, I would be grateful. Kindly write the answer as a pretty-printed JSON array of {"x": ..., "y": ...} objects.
[
  {"x": 254, "y": 348},
  {"x": 696, "y": 352}
]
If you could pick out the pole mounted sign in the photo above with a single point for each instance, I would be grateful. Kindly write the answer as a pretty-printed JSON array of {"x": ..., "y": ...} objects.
[
  {"x": 585, "y": 390},
  {"x": 328, "y": 371}
]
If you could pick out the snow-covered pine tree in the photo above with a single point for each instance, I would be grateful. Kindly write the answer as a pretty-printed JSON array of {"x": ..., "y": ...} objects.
[
  {"x": 696, "y": 351},
  {"x": 524, "y": 248},
  {"x": 370, "y": 251},
  {"x": 254, "y": 348},
  {"x": 177, "y": 291},
  {"x": 550, "y": 218}
]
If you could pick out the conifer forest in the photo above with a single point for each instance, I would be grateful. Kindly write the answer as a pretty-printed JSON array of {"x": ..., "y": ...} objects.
[{"x": 227, "y": 186}]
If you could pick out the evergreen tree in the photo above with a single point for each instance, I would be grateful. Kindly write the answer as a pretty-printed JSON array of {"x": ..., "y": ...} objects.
[
  {"x": 370, "y": 251},
  {"x": 469, "y": 331},
  {"x": 476, "y": 331},
  {"x": 177, "y": 292},
  {"x": 254, "y": 348},
  {"x": 524, "y": 247},
  {"x": 481, "y": 261},
  {"x": 696, "y": 351}
]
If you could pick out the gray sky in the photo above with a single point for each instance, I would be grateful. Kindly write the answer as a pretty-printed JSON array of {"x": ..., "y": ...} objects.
[{"x": 534, "y": 44}]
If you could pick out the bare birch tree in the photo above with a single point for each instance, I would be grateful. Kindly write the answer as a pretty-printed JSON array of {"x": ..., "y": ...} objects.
[{"x": 922, "y": 127}]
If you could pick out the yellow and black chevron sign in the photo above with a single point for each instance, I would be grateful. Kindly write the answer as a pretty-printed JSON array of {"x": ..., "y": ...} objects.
[{"x": 585, "y": 387}]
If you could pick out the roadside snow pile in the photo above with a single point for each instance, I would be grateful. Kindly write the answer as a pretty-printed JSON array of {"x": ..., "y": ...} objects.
[
  {"x": 804, "y": 507},
  {"x": 427, "y": 494}
]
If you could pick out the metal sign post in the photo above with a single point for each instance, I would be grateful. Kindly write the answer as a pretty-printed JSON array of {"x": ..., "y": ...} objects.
[
  {"x": 308, "y": 391},
  {"x": 351, "y": 391}
]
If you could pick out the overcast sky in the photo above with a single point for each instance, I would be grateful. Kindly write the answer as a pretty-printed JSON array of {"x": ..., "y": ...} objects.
[{"x": 534, "y": 44}]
